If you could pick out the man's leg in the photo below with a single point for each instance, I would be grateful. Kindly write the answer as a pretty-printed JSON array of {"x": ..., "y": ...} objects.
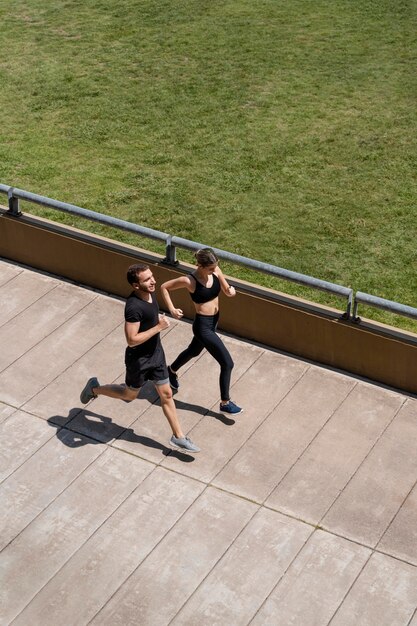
[
  {"x": 93, "y": 389},
  {"x": 170, "y": 411},
  {"x": 169, "y": 408},
  {"x": 120, "y": 392}
]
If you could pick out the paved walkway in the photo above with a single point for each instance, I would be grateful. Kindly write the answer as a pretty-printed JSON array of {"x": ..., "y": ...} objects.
[{"x": 301, "y": 511}]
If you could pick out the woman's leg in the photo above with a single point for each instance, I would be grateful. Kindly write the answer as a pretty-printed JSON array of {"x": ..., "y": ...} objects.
[
  {"x": 214, "y": 345},
  {"x": 193, "y": 350}
]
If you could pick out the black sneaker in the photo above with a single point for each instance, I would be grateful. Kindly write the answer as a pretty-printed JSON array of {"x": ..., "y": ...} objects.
[
  {"x": 173, "y": 379},
  {"x": 87, "y": 393}
]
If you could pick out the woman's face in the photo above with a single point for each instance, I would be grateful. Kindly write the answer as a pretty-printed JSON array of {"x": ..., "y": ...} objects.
[{"x": 209, "y": 269}]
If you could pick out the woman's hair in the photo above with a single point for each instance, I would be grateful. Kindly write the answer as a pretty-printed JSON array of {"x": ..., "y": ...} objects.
[
  {"x": 206, "y": 257},
  {"x": 134, "y": 271}
]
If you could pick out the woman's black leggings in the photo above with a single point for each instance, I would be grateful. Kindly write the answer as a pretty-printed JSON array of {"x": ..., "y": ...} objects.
[{"x": 204, "y": 329}]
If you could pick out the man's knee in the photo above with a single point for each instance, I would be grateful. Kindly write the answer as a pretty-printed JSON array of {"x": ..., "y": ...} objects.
[{"x": 165, "y": 392}]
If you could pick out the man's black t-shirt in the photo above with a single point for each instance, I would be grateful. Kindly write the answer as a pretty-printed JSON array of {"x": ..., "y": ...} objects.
[{"x": 147, "y": 314}]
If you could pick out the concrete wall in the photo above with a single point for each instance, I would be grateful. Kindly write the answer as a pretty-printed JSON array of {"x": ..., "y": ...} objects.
[{"x": 375, "y": 351}]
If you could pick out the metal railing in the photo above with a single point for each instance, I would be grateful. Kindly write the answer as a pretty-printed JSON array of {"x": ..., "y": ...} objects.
[
  {"x": 381, "y": 303},
  {"x": 172, "y": 243}
]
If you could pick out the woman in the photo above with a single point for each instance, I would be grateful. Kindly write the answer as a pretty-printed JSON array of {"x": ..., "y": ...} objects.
[{"x": 204, "y": 285}]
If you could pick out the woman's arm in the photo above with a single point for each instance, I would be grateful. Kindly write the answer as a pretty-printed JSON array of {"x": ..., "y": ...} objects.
[
  {"x": 171, "y": 285},
  {"x": 227, "y": 289}
]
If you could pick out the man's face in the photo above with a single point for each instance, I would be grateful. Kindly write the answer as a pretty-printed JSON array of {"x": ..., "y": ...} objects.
[{"x": 146, "y": 281}]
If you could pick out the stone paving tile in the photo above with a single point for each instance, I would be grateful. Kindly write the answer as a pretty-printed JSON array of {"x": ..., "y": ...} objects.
[
  {"x": 156, "y": 591},
  {"x": 8, "y": 271},
  {"x": 370, "y": 501},
  {"x": 275, "y": 446},
  {"x": 400, "y": 539},
  {"x": 5, "y": 411},
  {"x": 245, "y": 576},
  {"x": 37, "y": 321},
  {"x": 219, "y": 439},
  {"x": 33, "y": 486},
  {"x": 40, "y": 551},
  {"x": 22, "y": 291},
  {"x": 43, "y": 363},
  {"x": 100, "y": 567},
  {"x": 385, "y": 594},
  {"x": 315, "y": 584},
  {"x": 59, "y": 401},
  {"x": 327, "y": 465},
  {"x": 20, "y": 437}
]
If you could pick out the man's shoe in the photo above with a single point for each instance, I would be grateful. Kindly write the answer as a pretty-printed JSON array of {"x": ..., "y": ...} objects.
[
  {"x": 87, "y": 393},
  {"x": 184, "y": 443},
  {"x": 230, "y": 407},
  {"x": 173, "y": 379}
]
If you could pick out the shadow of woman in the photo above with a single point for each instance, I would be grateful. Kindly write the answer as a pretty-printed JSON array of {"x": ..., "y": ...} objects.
[{"x": 84, "y": 427}]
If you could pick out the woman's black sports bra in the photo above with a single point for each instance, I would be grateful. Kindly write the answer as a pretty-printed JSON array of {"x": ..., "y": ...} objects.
[{"x": 205, "y": 294}]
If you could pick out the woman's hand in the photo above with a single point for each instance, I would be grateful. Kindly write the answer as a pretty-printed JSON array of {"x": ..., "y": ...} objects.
[
  {"x": 176, "y": 313},
  {"x": 231, "y": 291}
]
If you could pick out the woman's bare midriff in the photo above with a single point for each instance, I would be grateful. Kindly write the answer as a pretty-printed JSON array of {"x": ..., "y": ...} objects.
[{"x": 207, "y": 308}]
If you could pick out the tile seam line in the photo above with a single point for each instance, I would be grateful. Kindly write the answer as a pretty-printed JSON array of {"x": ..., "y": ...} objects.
[
  {"x": 310, "y": 443},
  {"x": 342, "y": 601},
  {"x": 296, "y": 555},
  {"x": 148, "y": 554},
  {"x": 35, "y": 345},
  {"x": 40, "y": 340},
  {"x": 223, "y": 555},
  {"x": 412, "y": 617},
  {"x": 29, "y": 457},
  {"x": 53, "y": 499},
  {"x": 313, "y": 525},
  {"x": 400, "y": 508},
  {"x": 303, "y": 373},
  {"x": 68, "y": 319},
  {"x": 82, "y": 545},
  {"x": 54, "y": 286},
  {"x": 396, "y": 514},
  {"x": 362, "y": 462},
  {"x": 345, "y": 399},
  {"x": 68, "y": 366}
]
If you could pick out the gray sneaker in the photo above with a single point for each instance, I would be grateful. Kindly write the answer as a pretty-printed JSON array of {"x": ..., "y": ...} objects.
[
  {"x": 87, "y": 393},
  {"x": 184, "y": 443}
]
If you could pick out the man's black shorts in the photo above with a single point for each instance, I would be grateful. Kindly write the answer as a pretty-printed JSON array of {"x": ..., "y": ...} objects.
[{"x": 139, "y": 370}]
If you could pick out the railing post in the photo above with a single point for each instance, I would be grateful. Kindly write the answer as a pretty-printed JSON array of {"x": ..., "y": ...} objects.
[
  {"x": 170, "y": 252},
  {"x": 13, "y": 203}
]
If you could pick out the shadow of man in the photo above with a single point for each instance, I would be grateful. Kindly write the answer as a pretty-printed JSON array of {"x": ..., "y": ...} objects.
[
  {"x": 85, "y": 427},
  {"x": 82, "y": 426}
]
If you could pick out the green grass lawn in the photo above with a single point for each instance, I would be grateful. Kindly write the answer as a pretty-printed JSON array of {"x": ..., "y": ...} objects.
[{"x": 281, "y": 131}]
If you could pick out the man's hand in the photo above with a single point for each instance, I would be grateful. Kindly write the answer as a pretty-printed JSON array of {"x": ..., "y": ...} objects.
[{"x": 163, "y": 321}]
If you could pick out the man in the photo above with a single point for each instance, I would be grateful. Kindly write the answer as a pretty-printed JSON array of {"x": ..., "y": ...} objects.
[{"x": 144, "y": 357}]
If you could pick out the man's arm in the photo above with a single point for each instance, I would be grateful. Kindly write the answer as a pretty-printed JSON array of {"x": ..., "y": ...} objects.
[{"x": 135, "y": 338}]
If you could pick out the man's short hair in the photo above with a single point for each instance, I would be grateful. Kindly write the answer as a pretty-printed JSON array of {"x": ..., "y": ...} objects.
[{"x": 133, "y": 272}]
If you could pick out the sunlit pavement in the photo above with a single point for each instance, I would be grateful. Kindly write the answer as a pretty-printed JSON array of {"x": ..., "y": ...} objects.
[{"x": 301, "y": 510}]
